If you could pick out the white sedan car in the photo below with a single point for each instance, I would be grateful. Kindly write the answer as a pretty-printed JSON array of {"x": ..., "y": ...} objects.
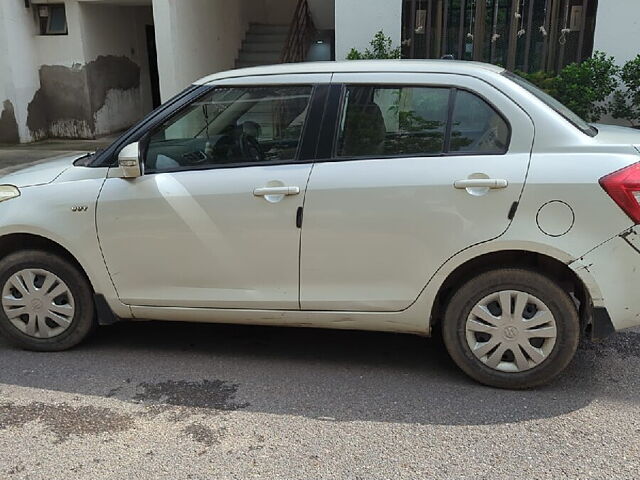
[{"x": 393, "y": 196}]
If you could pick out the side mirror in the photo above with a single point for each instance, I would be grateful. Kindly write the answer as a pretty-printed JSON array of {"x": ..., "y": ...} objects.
[{"x": 129, "y": 161}]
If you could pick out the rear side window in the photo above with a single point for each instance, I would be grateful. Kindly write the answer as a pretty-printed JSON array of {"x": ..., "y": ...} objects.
[
  {"x": 476, "y": 127},
  {"x": 379, "y": 121},
  {"x": 393, "y": 121}
]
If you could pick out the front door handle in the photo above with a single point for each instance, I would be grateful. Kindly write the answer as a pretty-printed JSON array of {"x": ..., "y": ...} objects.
[
  {"x": 267, "y": 191},
  {"x": 492, "y": 183}
]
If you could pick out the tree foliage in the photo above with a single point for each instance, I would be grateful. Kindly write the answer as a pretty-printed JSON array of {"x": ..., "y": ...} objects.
[
  {"x": 585, "y": 87},
  {"x": 626, "y": 102},
  {"x": 381, "y": 48}
]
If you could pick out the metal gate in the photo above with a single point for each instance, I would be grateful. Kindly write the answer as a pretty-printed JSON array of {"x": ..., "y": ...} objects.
[{"x": 528, "y": 35}]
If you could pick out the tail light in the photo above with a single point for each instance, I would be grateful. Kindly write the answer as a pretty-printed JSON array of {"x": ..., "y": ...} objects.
[{"x": 623, "y": 187}]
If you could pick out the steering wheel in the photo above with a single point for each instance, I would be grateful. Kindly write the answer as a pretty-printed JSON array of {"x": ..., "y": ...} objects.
[{"x": 250, "y": 148}]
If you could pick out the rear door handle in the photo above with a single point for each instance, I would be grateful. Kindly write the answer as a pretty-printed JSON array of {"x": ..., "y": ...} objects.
[
  {"x": 493, "y": 183},
  {"x": 266, "y": 191}
]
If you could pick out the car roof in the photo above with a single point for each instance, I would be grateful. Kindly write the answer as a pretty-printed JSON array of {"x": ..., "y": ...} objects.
[{"x": 360, "y": 66}]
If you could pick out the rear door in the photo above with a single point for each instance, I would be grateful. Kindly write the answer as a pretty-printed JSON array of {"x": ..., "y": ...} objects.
[{"x": 421, "y": 167}]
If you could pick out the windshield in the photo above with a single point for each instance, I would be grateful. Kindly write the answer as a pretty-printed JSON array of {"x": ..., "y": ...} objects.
[{"x": 554, "y": 104}]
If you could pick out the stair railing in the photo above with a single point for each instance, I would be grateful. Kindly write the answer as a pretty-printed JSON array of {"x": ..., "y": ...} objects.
[{"x": 301, "y": 33}]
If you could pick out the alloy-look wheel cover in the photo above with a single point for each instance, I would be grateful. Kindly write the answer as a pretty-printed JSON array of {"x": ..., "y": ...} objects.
[
  {"x": 511, "y": 331},
  {"x": 38, "y": 303}
]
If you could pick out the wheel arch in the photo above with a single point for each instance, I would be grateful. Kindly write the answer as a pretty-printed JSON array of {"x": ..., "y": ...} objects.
[
  {"x": 550, "y": 266},
  {"x": 15, "y": 242}
]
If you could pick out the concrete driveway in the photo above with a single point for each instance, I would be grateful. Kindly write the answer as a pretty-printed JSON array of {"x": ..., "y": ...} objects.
[{"x": 179, "y": 401}]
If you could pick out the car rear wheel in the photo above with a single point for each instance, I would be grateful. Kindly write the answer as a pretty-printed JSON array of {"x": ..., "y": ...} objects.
[
  {"x": 46, "y": 302},
  {"x": 511, "y": 328}
]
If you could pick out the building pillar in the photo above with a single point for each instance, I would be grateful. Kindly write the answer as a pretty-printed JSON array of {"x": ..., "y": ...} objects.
[
  {"x": 357, "y": 21},
  {"x": 163, "y": 20},
  {"x": 617, "y": 29},
  {"x": 196, "y": 38},
  {"x": 18, "y": 73}
]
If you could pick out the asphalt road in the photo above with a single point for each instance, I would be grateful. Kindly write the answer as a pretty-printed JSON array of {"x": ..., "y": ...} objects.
[{"x": 187, "y": 401}]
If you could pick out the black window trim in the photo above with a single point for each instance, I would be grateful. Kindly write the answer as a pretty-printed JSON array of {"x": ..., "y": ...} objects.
[
  {"x": 330, "y": 124},
  {"x": 50, "y": 7},
  {"x": 453, "y": 96},
  {"x": 453, "y": 93},
  {"x": 316, "y": 102}
]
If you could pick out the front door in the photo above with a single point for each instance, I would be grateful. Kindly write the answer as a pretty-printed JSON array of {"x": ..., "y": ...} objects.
[
  {"x": 212, "y": 222},
  {"x": 424, "y": 166}
]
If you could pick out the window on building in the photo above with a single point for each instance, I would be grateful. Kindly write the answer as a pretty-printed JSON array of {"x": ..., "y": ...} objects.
[
  {"x": 52, "y": 19},
  {"x": 381, "y": 121},
  {"x": 232, "y": 127}
]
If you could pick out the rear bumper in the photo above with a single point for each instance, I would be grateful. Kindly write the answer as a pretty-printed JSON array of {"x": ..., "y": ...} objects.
[{"x": 611, "y": 273}]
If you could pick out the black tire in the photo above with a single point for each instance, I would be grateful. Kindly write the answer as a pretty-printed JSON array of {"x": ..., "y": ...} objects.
[
  {"x": 83, "y": 321},
  {"x": 557, "y": 301}
]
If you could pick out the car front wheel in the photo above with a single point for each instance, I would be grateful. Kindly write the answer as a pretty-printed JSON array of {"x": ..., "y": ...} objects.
[
  {"x": 511, "y": 328},
  {"x": 47, "y": 302}
]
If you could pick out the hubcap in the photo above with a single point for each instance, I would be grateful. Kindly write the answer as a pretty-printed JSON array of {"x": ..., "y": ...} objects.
[
  {"x": 38, "y": 303},
  {"x": 511, "y": 331}
]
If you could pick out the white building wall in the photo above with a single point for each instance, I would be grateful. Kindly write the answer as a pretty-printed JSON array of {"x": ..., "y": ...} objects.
[
  {"x": 53, "y": 82},
  {"x": 357, "y": 21},
  {"x": 113, "y": 30},
  {"x": 195, "y": 38},
  {"x": 617, "y": 33},
  {"x": 198, "y": 37},
  {"x": 19, "y": 79},
  {"x": 618, "y": 29},
  {"x": 64, "y": 50}
]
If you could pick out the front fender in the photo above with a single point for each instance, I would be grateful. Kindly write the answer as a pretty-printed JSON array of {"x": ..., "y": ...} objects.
[{"x": 64, "y": 213}]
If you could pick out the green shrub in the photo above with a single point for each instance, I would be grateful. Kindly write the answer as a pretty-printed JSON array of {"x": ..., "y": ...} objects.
[
  {"x": 381, "y": 48},
  {"x": 626, "y": 103},
  {"x": 545, "y": 81},
  {"x": 585, "y": 87}
]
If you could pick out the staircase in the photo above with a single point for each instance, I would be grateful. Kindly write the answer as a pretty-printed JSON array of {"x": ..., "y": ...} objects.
[{"x": 263, "y": 45}]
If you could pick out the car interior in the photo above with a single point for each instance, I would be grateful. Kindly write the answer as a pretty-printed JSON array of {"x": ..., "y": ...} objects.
[{"x": 231, "y": 126}]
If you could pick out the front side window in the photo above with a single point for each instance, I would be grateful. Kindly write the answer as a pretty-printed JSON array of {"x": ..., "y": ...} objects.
[
  {"x": 379, "y": 121},
  {"x": 231, "y": 127}
]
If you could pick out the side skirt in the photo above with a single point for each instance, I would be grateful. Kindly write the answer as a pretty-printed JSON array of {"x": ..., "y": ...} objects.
[{"x": 400, "y": 322}]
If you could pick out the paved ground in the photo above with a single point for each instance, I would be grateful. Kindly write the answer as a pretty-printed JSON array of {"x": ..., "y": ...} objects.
[
  {"x": 180, "y": 401},
  {"x": 13, "y": 157}
]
